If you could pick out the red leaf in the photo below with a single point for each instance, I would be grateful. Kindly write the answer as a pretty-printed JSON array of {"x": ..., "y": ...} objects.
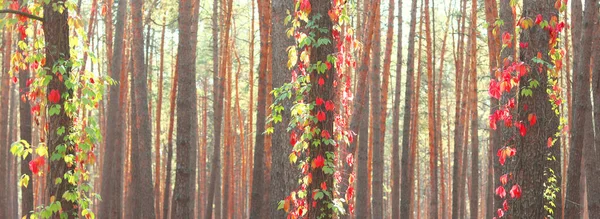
[
  {"x": 92, "y": 80},
  {"x": 506, "y": 39},
  {"x": 349, "y": 192},
  {"x": 500, "y": 191},
  {"x": 494, "y": 89},
  {"x": 500, "y": 213},
  {"x": 350, "y": 159},
  {"x": 14, "y": 80},
  {"x": 35, "y": 164},
  {"x": 511, "y": 151},
  {"x": 532, "y": 119},
  {"x": 521, "y": 127},
  {"x": 321, "y": 82},
  {"x": 538, "y": 19},
  {"x": 319, "y": 101},
  {"x": 501, "y": 156},
  {"x": 325, "y": 134},
  {"x": 493, "y": 122},
  {"x": 54, "y": 96},
  {"x": 29, "y": 82},
  {"x": 321, "y": 116},
  {"x": 523, "y": 45},
  {"x": 318, "y": 162},
  {"x": 550, "y": 142},
  {"x": 323, "y": 186},
  {"x": 505, "y": 205},
  {"x": 515, "y": 191},
  {"x": 35, "y": 109},
  {"x": 22, "y": 31},
  {"x": 511, "y": 103},
  {"x": 328, "y": 65},
  {"x": 329, "y": 105},
  {"x": 293, "y": 138}
]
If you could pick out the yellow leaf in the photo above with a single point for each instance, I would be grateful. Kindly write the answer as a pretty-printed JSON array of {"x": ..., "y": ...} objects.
[
  {"x": 24, "y": 181},
  {"x": 526, "y": 23},
  {"x": 41, "y": 150}
]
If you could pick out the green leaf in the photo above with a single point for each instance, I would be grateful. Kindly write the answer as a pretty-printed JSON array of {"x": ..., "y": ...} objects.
[{"x": 319, "y": 195}]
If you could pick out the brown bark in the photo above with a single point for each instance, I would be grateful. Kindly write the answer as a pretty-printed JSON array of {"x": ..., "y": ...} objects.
[
  {"x": 582, "y": 132},
  {"x": 474, "y": 181},
  {"x": 282, "y": 172},
  {"x": 141, "y": 158},
  {"x": 218, "y": 90},
  {"x": 377, "y": 134},
  {"x": 396, "y": 120},
  {"x": 257, "y": 205},
  {"x": 593, "y": 193},
  {"x": 56, "y": 34},
  {"x": 249, "y": 162},
  {"x": 183, "y": 201},
  {"x": 4, "y": 146},
  {"x": 433, "y": 157},
  {"x": 112, "y": 170},
  {"x": 407, "y": 183},
  {"x": 531, "y": 162}
]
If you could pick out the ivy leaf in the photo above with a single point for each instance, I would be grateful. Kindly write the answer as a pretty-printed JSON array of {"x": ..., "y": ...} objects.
[{"x": 24, "y": 181}]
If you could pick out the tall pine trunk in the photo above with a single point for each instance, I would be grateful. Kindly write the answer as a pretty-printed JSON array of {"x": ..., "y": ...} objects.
[
  {"x": 396, "y": 123},
  {"x": 531, "y": 162},
  {"x": 112, "y": 170}
]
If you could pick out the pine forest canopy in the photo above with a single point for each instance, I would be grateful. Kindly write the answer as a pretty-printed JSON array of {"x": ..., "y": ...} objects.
[{"x": 299, "y": 109}]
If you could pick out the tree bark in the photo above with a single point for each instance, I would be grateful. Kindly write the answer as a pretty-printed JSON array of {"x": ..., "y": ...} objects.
[
  {"x": 56, "y": 34},
  {"x": 433, "y": 157},
  {"x": 474, "y": 192},
  {"x": 4, "y": 146},
  {"x": 377, "y": 134},
  {"x": 141, "y": 159},
  {"x": 594, "y": 192},
  {"x": 582, "y": 132},
  {"x": 282, "y": 172},
  {"x": 396, "y": 120},
  {"x": 112, "y": 170},
  {"x": 257, "y": 205},
  {"x": 531, "y": 162},
  {"x": 407, "y": 183}
]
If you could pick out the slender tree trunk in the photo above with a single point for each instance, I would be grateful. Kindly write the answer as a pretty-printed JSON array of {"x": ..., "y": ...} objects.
[
  {"x": 407, "y": 183},
  {"x": 282, "y": 172},
  {"x": 4, "y": 96},
  {"x": 433, "y": 162},
  {"x": 112, "y": 170},
  {"x": 378, "y": 168},
  {"x": 157, "y": 141},
  {"x": 257, "y": 205},
  {"x": 396, "y": 122},
  {"x": 582, "y": 132},
  {"x": 594, "y": 192},
  {"x": 141, "y": 159},
  {"x": 474, "y": 181},
  {"x": 56, "y": 34},
  {"x": 183, "y": 203}
]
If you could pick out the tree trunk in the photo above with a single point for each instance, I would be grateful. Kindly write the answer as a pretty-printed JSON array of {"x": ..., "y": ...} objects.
[
  {"x": 282, "y": 172},
  {"x": 112, "y": 170},
  {"x": 594, "y": 192},
  {"x": 141, "y": 159},
  {"x": 183, "y": 203},
  {"x": 407, "y": 183},
  {"x": 377, "y": 134},
  {"x": 531, "y": 162},
  {"x": 4, "y": 146},
  {"x": 217, "y": 115},
  {"x": 56, "y": 34},
  {"x": 582, "y": 132},
  {"x": 474, "y": 192},
  {"x": 396, "y": 120},
  {"x": 257, "y": 205},
  {"x": 433, "y": 162}
]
